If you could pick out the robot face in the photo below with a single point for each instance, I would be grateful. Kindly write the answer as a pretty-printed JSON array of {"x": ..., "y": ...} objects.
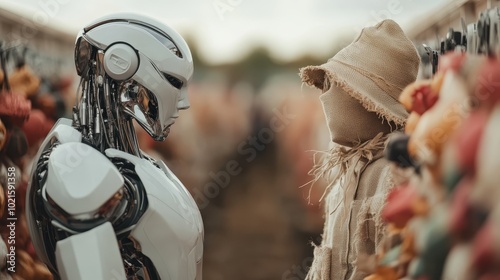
[
  {"x": 142, "y": 104},
  {"x": 156, "y": 63}
]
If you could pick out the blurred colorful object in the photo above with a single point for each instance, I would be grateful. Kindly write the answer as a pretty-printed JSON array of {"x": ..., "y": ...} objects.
[
  {"x": 454, "y": 142},
  {"x": 24, "y": 81},
  {"x": 15, "y": 109},
  {"x": 36, "y": 127},
  {"x": 14, "y": 106}
]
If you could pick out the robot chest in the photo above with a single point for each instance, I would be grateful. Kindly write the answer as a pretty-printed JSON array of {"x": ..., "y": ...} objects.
[
  {"x": 169, "y": 204},
  {"x": 170, "y": 232}
]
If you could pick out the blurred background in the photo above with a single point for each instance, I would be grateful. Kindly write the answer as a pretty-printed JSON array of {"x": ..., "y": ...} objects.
[{"x": 245, "y": 146}]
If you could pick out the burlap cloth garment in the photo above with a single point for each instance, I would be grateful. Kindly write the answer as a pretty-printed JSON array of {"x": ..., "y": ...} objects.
[
  {"x": 360, "y": 180},
  {"x": 352, "y": 210}
]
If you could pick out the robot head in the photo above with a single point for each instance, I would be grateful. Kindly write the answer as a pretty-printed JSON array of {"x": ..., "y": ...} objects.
[{"x": 149, "y": 61}]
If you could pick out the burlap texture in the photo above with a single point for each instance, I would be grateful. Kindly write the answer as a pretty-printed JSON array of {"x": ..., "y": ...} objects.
[
  {"x": 348, "y": 121},
  {"x": 360, "y": 233},
  {"x": 373, "y": 69}
]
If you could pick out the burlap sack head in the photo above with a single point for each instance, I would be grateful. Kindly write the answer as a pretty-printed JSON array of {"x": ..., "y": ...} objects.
[
  {"x": 351, "y": 124},
  {"x": 373, "y": 69}
]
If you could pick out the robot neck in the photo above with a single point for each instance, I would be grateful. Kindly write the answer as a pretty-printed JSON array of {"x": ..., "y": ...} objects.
[{"x": 99, "y": 116}]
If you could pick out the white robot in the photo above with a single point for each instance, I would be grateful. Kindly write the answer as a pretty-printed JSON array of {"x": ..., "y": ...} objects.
[{"x": 98, "y": 208}]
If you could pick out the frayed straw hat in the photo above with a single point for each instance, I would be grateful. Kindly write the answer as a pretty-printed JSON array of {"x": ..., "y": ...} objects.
[{"x": 374, "y": 69}]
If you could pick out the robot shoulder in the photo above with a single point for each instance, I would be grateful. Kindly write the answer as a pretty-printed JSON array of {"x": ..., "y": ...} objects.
[
  {"x": 63, "y": 132},
  {"x": 80, "y": 179}
]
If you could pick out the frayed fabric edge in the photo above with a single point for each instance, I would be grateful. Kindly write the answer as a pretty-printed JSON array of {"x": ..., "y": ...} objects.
[
  {"x": 367, "y": 103},
  {"x": 321, "y": 266},
  {"x": 332, "y": 165}
]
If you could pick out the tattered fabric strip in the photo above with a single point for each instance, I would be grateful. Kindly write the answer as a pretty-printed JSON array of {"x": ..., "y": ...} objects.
[{"x": 337, "y": 166}]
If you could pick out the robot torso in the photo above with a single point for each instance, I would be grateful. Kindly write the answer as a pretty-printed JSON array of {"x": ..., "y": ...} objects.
[{"x": 156, "y": 225}]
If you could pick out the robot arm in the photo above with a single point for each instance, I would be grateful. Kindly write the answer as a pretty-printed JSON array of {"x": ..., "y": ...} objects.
[
  {"x": 83, "y": 188},
  {"x": 93, "y": 254}
]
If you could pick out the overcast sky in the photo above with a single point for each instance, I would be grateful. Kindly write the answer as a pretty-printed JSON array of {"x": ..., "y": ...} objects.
[{"x": 227, "y": 29}]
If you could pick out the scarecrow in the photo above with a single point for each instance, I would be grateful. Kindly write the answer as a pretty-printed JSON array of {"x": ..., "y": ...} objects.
[{"x": 361, "y": 85}]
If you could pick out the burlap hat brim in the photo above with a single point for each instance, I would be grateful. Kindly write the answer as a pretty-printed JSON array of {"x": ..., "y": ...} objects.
[{"x": 365, "y": 87}]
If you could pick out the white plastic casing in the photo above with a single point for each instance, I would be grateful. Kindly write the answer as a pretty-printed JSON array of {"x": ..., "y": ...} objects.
[
  {"x": 120, "y": 61},
  {"x": 93, "y": 254},
  {"x": 80, "y": 179},
  {"x": 155, "y": 58},
  {"x": 171, "y": 230}
]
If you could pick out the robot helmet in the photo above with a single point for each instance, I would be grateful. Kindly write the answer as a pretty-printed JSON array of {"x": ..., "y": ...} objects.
[{"x": 150, "y": 62}]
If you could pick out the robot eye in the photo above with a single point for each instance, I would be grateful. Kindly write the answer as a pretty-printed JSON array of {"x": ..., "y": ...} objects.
[
  {"x": 173, "y": 81},
  {"x": 175, "y": 51}
]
